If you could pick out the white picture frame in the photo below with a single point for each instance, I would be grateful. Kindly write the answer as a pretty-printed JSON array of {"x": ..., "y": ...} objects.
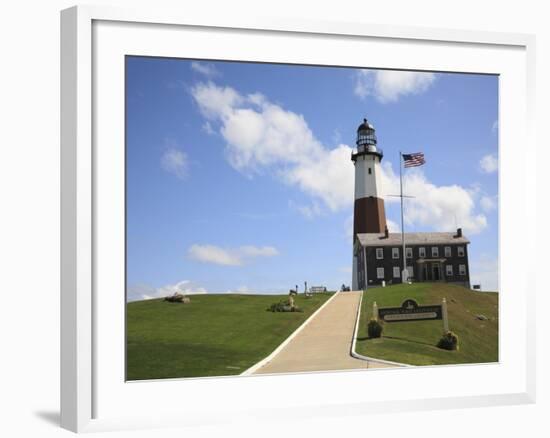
[{"x": 92, "y": 393}]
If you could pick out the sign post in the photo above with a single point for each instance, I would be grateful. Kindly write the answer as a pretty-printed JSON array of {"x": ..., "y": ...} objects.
[{"x": 445, "y": 316}]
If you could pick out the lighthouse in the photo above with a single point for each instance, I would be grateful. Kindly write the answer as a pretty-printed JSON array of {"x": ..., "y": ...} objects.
[
  {"x": 380, "y": 257},
  {"x": 369, "y": 215}
]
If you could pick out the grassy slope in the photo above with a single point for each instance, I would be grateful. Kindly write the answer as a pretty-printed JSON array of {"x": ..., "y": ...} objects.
[
  {"x": 414, "y": 342},
  {"x": 213, "y": 335}
]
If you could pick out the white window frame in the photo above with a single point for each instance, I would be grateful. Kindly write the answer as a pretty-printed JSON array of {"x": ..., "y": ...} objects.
[
  {"x": 410, "y": 270},
  {"x": 395, "y": 253},
  {"x": 461, "y": 269},
  {"x": 448, "y": 251},
  {"x": 378, "y": 271},
  {"x": 422, "y": 252},
  {"x": 449, "y": 272},
  {"x": 396, "y": 272},
  {"x": 461, "y": 252},
  {"x": 381, "y": 257},
  {"x": 435, "y": 251},
  {"x": 409, "y": 253}
]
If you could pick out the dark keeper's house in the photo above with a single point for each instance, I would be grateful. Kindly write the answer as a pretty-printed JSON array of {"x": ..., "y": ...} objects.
[{"x": 430, "y": 257}]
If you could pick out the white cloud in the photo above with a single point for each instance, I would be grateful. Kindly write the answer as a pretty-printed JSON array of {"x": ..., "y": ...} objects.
[
  {"x": 494, "y": 127},
  {"x": 229, "y": 256},
  {"x": 389, "y": 85},
  {"x": 488, "y": 203},
  {"x": 207, "y": 127},
  {"x": 208, "y": 70},
  {"x": 309, "y": 211},
  {"x": 215, "y": 102},
  {"x": 435, "y": 207},
  {"x": 329, "y": 177},
  {"x": 489, "y": 163},
  {"x": 261, "y": 136},
  {"x": 266, "y": 136},
  {"x": 145, "y": 292},
  {"x": 255, "y": 251},
  {"x": 393, "y": 227},
  {"x": 175, "y": 161}
]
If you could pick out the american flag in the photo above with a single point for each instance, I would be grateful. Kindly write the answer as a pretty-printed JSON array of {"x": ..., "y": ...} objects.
[{"x": 413, "y": 160}]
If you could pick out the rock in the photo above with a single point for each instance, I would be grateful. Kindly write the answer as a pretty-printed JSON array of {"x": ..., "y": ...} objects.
[{"x": 482, "y": 317}]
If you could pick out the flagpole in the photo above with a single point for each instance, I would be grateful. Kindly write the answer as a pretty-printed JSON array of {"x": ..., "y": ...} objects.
[{"x": 403, "y": 273}]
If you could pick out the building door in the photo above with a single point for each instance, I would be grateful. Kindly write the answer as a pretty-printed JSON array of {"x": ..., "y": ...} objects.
[{"x": 436, "y": 272}]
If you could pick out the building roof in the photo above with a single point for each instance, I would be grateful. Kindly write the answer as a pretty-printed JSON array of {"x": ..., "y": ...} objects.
[
  {"x": 394, "y": 239},
  {"x": 365, "y": 125}
]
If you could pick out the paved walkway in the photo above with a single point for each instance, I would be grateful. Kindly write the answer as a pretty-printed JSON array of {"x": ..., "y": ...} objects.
[{"x": 325, "y": 342}]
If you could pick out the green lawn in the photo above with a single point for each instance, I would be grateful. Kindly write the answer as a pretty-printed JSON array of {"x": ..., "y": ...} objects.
[
  {"x": 213, "y": 335},
  {"x": 414, "y": 342}
]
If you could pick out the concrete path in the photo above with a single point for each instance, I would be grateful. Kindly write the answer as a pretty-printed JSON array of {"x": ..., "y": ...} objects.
[{"x": 325, "y": 342}]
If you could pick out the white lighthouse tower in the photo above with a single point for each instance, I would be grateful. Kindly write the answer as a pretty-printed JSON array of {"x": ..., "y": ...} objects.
[{"x": 369, "y": 215}]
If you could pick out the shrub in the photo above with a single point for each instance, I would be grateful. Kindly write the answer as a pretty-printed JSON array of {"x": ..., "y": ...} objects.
[
  {"x": 177, "y": 298},
  {"x": 449, "y": 341},
  {"x": 283, "y": 306},
  {"x": 374, "y": 328}
]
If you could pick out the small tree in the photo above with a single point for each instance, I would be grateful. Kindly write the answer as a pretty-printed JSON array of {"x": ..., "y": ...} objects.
[
  {"x": 374, "y": 328},
  {"x": 449, "y": 341}
]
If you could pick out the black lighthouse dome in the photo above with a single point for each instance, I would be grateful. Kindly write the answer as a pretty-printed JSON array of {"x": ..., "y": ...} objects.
[{"x": 366, "y": 125}]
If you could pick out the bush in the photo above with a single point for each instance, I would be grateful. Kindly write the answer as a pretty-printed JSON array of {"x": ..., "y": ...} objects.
[
  {"x": 449, "y": 341},
  {"x": 177, "y": 298},
  {"x": 374, "y": 328},
  {"x": 283, "y": 306}
]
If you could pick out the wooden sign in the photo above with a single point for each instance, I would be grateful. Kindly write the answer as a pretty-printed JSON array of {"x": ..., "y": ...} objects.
[{"x": 410, "y": 311}]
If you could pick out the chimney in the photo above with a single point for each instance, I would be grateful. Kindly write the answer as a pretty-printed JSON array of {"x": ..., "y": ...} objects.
[
  {"x": 386, "y": 232},
  {"x": 458, "y": 232}
]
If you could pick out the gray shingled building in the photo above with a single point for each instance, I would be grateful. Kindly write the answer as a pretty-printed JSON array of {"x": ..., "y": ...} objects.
[{"x": 430, "y": 257}]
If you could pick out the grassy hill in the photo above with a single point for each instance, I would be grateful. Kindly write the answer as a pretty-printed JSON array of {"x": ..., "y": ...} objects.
[
  {"x": 415, "y": 342},
  {"x": 213, "y": 335}
]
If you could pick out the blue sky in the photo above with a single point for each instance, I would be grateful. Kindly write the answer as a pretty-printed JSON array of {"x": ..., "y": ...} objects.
[{"x": 239, "y": 175}]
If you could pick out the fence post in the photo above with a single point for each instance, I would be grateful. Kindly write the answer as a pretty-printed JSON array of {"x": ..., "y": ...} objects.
[{"x": 445, "y": 315}]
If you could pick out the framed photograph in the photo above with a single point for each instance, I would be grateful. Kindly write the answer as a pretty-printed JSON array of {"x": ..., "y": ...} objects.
[{"x": 291, "y": 218}]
